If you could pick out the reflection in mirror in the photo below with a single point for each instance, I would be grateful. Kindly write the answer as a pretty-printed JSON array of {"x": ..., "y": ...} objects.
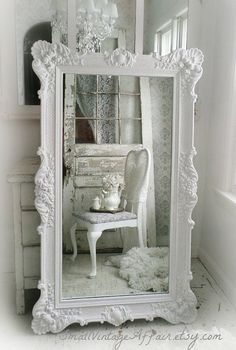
[
  {"x": 105, "y": 119},
  {"x": 109, "y": 25},
  {"x": 125, "y": 24},
  {"x": 165, "y": 26}
]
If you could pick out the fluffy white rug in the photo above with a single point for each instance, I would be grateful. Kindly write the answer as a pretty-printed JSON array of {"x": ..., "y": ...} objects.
[{"x": 145, "y": 269}]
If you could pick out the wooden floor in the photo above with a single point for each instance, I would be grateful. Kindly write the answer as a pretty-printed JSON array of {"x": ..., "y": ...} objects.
[{"x": 214, "y": 328}]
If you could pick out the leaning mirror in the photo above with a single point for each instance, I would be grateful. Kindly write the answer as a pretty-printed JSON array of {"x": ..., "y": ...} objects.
[{"x": 116, "y": 186}]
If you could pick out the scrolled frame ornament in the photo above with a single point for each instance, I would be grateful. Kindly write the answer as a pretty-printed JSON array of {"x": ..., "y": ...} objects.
[
  {"x": 120, "y": 58},
  {"x": 44, "y": 190},
  {"x": 46, "y": 57},
  {"x": 117, "y": 315},
  {"x": 47, "y": 319},
  {"x": 188, "y": 179},
  {"x": 188, "y": 62},
  {"x": 52, "y": 313}
]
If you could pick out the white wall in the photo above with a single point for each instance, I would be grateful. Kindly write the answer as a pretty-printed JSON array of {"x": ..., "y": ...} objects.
[
  {"x": 20, "y": 137},
  {"x": 213, "y": 130}
]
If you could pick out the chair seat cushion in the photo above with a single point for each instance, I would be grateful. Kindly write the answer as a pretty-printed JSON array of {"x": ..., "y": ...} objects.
[{"x": 98, "y": 218}]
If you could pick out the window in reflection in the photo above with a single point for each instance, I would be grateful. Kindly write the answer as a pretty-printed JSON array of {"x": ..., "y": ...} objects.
[
  {"x": 165, "y": 26},
  {"x": 107, "y": 110},
  {"x": 172, "y": 36}
]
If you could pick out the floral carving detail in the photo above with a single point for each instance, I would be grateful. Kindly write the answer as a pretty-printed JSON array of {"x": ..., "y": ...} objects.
[
  {"x": 46, "y": 57},
  {"x": 120, "y": 58},
  {"x": 188, "y": 178},
  {"x": 44, "y": 190},
  {"x": 48, "y": 319},
  {"x": 189, "y": 62},
  {"x": 181, "y": 310},
  {"x": 117, "y": 315}
]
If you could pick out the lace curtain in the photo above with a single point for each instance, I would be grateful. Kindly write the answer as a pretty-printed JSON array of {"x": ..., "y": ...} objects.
[{"x": 98, "y": 103}]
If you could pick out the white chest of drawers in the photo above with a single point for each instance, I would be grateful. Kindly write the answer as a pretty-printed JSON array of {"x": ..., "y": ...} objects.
[{"x": 26, "y": 220}]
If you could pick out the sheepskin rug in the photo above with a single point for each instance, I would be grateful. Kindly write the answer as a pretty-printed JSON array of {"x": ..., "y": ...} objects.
[{"x": 145, "y": 269}]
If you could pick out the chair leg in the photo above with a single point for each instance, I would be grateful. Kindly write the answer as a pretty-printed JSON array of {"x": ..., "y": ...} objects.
[
  {"x": 73, "y": 241},
  {"x": 122, "y": 235},
  {"x": 92, "y": 239}
]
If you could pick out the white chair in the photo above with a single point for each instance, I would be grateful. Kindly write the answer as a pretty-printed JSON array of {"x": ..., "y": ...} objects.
[{"x": 133, "y": 199}]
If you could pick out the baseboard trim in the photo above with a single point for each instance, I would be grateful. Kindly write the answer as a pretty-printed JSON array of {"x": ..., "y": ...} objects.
[{"x": 227, "y": 287}]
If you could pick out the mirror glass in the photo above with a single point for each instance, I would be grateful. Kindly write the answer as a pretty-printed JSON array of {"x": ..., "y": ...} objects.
[
  {"x": 104, "y": 117},
  {"x": 123, "y": 32},
  {"x": 165, "y": 26}
]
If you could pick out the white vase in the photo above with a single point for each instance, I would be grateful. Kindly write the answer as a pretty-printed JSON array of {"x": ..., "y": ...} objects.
[
  {"x": 96, "y": 203},
  {"x": 111, "y": 200}
]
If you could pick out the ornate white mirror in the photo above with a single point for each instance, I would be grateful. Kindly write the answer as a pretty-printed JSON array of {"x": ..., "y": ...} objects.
[{"x": 116, "y": 186}]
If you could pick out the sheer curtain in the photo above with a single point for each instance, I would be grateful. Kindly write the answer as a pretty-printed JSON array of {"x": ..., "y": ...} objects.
[{"x": 99, "y": 104}]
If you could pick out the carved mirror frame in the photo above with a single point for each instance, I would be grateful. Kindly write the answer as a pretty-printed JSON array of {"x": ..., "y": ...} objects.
[{"x": 51, "y": 313}]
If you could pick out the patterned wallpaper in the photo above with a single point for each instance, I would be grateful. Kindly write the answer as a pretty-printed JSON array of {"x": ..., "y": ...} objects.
[{"x": 162, "y": 112}]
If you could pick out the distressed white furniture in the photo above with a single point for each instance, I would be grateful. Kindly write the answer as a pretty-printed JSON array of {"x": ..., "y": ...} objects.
[
  {"x": 26, "y": 220},
  {"x": 52, "y": 313},
  {"x": 137, "y": 168}
]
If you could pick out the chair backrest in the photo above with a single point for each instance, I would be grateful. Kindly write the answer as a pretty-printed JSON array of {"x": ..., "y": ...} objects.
[{"x": 136, "y": 178}]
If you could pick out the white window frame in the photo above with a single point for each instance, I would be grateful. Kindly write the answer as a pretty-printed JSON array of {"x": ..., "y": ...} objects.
[{"x": 175, "y": 24}]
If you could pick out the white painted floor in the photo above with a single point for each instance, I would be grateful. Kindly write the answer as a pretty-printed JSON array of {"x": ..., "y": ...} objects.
[
  {"x": 214, "y": 329},
  {"x": 76, "y": 284}
]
